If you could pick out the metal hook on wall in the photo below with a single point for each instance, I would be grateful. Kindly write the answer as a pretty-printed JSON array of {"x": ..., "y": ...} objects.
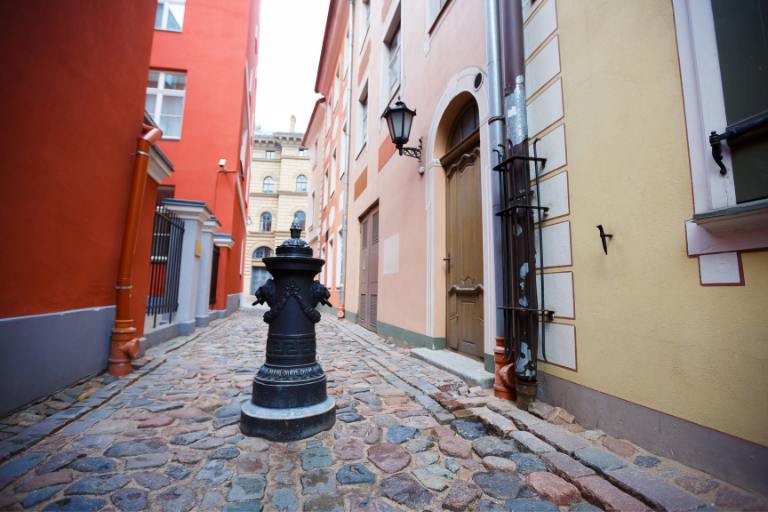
[{"x": 603, "y": 236}]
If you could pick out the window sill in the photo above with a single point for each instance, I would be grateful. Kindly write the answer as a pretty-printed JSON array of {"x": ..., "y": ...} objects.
[
  {"x": 739, "y": 228},
  {"x": 170, "y": 138},
  {"x": 169, "y": 30}
]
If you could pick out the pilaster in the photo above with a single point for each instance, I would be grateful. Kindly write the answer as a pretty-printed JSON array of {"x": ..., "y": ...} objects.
[
  {"x": 193, "y": 214},
  {"x": 207, "y": 232}
]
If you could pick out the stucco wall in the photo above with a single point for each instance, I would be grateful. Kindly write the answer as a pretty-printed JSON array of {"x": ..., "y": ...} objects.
[{"x": 648, "y": 332}]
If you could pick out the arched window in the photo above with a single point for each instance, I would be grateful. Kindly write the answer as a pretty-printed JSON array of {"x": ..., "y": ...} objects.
[
  {"x": 301, "y": 183},
  {"x": 266, "y": 221},
  {"x": 300, "y": 218},
  {"x": 262, "y": 252},
  {"x": 269, "y": 185},
  {"x": 465, "y": 124}
]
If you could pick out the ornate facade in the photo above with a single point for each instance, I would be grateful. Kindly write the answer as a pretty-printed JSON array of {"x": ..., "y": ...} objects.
[{"x": 278, "y": 195}]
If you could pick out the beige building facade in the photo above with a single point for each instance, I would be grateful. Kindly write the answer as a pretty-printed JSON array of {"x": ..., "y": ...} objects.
[
  {"x": 278, "y": 188},
  {"x": 661, "y": 338}
]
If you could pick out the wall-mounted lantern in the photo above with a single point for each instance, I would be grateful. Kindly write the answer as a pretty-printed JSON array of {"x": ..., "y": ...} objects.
[{"x": 399, "y": 121}]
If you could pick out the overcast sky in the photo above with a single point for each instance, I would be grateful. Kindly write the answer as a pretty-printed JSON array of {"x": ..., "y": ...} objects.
[{"x": 291, "y": 36}]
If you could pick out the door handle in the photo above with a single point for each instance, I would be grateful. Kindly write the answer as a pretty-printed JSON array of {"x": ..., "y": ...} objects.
[{"x": 466, "y": 290}]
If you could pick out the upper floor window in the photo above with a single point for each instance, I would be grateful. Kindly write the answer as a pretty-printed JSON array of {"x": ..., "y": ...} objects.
[
  {"x": 301, "y": 183},
  {"x": 270, "y": 154},
  {"x": 300, "y": 218},
  {"x": 170, "y": 15},
  {"x": 365, "y": 18},
  {"x": 266, "y": 222},
  {"x": 165, "y": 100},
  {"x": 302, "y": 151},
  {"x": 262, "y": 252},
  {"x": 268, "y": 186},
  {"x": 362, "y": 109},
  {"x": 393, "y": 61}
]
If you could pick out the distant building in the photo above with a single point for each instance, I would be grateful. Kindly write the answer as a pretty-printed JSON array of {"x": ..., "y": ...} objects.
[
  {"x": 201, "y": 90},
  {"x": 278, "y": 198}
]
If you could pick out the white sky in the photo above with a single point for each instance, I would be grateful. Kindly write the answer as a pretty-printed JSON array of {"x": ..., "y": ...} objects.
[{"x": 291, "y": 36}]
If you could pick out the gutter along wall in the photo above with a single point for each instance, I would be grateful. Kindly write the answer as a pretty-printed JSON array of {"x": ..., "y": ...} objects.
[{"x": 68, "y": 160}]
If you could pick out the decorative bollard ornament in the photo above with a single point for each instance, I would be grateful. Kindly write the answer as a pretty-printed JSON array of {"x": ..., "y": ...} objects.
[{"x": 289, "y": 398}]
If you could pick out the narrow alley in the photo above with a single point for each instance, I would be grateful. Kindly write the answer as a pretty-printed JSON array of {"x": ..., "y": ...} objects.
[{"x": 407, "y": 436}]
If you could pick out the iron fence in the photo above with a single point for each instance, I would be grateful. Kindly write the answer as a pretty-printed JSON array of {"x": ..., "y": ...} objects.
[
  {"x": 164, "y": 266},
  {"x": 214, "y": 275}
]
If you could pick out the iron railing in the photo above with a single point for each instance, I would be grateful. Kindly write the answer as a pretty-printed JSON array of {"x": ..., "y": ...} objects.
[
  {"x": 164, "y": 266},
  {"x": 214, "y": 275}
]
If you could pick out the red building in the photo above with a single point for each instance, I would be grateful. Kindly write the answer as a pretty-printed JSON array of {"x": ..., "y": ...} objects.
[
  {"x": 77, "y": 164},
  {"x": 201, "y": 91},
  {"x": 100, "y": 259}
]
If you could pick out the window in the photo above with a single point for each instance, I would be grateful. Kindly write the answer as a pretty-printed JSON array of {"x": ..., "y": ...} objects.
[
  {"x": 365, "y": 18},
  {"x": 262, "y": 252},
  {"x": 165, "y": 100},
  {"x": 344, "y": 152},
  {"x": 302, "y": 151},
  {"x": 270, "y": 154},
  {"x": 170, "y": 15},
  {"x": 339, "y": 258},
  {"x": 334, "y": 172},
  {"x": 465, "y": 124},
  {"x": 325, "y": 189},
  {"x": 329, "y": 266},
  {"x": 301, "y": 183},
  {"x": 268, "y": 186},
  {"x": 300, "y": 218},
  {"x": 393, "y": 61},
  {"x": 266, "y": 222},
  {"x": 362, "y": 113}
]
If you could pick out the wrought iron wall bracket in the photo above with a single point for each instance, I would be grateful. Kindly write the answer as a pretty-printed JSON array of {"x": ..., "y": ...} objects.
[
  {"x": 412, "y": 152},
  {"x": 732, "y": 132}
]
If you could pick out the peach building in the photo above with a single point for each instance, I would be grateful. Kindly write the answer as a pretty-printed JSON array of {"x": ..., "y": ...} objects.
[{"x": 666, "y": 326}]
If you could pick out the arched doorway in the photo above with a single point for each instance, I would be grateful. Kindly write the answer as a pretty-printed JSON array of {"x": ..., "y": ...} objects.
[{"x": 458, "y": 141}]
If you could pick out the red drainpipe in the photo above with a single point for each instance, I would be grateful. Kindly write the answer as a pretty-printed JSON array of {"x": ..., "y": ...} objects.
[{"x": 125, "y": 344}]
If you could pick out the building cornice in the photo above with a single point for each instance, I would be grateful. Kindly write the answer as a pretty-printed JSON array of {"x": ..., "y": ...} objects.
[
  {"x": 212, "y": 225},
  {"x": 189, "y": 210},
  {"x": 223, "y": 240},
  {"x": 160, "y": 167}
]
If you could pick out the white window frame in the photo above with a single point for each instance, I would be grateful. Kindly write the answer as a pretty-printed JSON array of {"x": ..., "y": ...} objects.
[
  {"x": 160, "y": 92},
  {"x": 270, "y": 154},
  {"x": 344, "y": 150},
  {"x": 264, "y": 185},
  {"x": 339, "y": 257},
  {"x": 364, "y": 21},
  {"x": 387, "y": 89},
  {"x": 164, "y": 4},
  {"x": 329, "y": 264},
  {"x": 334, "y": 172},
  {"x": 716, "y": 212},
  {"x": 326, "y": 192},
  {"x": 362, "y": 118},
  {"x": 306, "y": 182}
]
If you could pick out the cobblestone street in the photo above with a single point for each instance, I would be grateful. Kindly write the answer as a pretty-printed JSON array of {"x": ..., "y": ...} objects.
[{"x": 408, "y": 437}]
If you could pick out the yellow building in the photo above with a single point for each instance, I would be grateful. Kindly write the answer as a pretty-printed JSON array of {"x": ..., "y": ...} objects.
[{"x": 278, "y": 197}]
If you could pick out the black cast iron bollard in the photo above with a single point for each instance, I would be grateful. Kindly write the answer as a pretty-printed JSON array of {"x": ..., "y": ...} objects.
[{"x": 289, "y": 398}]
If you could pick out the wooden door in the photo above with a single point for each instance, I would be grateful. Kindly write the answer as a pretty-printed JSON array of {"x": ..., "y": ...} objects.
[
  {"x": 369, "y": 270},
  {"x": 464, "y": 258}
]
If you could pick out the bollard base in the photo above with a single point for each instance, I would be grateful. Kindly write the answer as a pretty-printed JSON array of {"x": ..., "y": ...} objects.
[{"x": 287, "y": 424}]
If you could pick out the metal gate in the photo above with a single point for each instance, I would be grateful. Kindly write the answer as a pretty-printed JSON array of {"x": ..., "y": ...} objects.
[
  {"x": 164, "y": 266},
  {"x": 214, "y": 275}
]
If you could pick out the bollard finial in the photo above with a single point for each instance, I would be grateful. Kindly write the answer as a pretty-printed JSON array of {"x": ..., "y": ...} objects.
[{"x": 295, "y": 230}]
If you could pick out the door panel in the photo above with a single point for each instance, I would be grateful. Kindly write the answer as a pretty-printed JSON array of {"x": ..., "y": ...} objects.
[
  {"x": 369, "y": 271},
  {"x": 464, "y": 329}
]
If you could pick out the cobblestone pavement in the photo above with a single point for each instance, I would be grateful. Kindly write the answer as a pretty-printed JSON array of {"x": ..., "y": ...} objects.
[{"x": 408, "y": 437}]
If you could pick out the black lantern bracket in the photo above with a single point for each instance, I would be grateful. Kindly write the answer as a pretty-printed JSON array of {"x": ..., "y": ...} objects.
[{"x": 412, "y": 152}]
